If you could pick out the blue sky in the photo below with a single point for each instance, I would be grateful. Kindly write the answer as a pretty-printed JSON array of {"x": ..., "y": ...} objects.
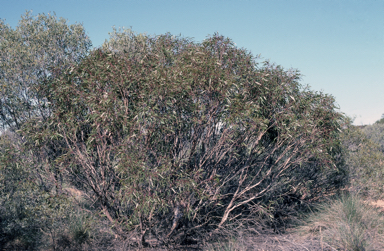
[{"x": 337, "y": 45}]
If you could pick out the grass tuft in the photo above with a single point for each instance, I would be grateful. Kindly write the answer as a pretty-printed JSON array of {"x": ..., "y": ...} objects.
[{"x": 347, "y": 223}]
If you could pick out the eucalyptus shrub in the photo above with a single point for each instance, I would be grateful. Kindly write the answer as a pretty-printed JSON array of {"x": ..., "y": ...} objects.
[{"x": 177, "y": 139}]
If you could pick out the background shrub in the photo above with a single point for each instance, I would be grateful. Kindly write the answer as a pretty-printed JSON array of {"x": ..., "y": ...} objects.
[
  {"x": 375, "y": 133},
  {"x": 364, "y": 160}
]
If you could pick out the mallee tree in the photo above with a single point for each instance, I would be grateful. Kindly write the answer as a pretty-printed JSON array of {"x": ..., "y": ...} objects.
[{"x": 178, "y": 139}]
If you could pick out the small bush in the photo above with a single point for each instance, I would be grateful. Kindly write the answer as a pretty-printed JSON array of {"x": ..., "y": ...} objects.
[{"x": 33, "y": 217}]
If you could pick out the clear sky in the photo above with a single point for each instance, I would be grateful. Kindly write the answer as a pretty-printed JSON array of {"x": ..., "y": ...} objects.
[{"x": 337, "y": 45}]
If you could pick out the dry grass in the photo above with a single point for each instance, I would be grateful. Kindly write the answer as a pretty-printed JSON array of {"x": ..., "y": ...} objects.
[
  {"x": 347, "y": 223},
  {"x": 285, "y": 242}
]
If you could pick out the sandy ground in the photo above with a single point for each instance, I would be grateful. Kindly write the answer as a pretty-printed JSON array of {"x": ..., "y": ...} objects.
[{"x": 379, "y": 204}]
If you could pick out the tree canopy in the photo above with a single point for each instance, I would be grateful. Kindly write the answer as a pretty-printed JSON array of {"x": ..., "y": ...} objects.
[{"x": 28, "y": 54}]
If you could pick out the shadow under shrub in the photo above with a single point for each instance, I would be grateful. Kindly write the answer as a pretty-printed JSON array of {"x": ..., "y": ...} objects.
[{"x": 179, "y": 139}]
